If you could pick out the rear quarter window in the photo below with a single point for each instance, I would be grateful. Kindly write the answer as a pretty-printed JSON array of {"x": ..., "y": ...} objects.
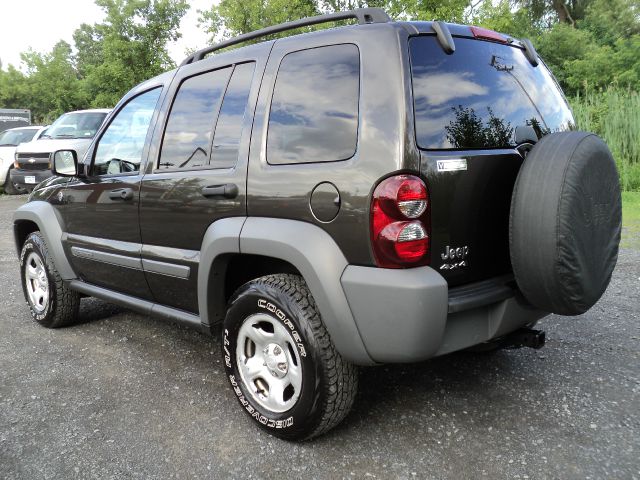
[
  {"x": 477, "y": 96},
  {"x": 314, "y": 109}
]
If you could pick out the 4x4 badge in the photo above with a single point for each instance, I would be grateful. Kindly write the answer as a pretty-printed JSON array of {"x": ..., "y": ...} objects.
[{"x": 458, "y": 257}]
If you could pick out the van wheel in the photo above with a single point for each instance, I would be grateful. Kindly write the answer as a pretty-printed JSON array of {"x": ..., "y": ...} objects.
[
  {"x": 51, "y": 303},
  {"x": 280, "y": 360},
  {"x": 9, "y": 188}
]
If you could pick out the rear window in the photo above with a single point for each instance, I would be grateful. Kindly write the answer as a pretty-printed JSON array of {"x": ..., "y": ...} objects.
[{"x": 477, "y": 96}]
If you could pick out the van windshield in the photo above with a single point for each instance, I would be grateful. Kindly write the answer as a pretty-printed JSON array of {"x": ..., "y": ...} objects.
[
  {"x": 477, "y": 96},
  {"x": 11, "y": 138},
  {"x": 76, "y": 125}
]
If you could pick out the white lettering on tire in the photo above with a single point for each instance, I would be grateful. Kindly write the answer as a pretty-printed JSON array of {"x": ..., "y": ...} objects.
[
  {"x": 270, "y": 307},
  {"x": 287, "y": 422}
]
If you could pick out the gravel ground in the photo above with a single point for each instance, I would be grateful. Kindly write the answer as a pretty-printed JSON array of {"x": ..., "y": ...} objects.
[{"x": 124, "y": 396}]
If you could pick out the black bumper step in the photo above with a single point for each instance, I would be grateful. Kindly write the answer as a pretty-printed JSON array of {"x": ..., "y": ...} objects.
[{"x": 482, "y": 293}]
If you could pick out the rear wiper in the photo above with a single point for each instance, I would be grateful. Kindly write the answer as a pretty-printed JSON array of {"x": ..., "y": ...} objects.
[{"x": 8, "y": 145}]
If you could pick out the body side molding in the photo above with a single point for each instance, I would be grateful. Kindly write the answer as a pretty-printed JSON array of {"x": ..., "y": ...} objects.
[
  {"x": 51, "y": 227},
  {"x": 321, "y": 262}
]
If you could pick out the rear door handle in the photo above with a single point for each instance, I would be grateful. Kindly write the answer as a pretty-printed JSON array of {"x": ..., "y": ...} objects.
[
  {"x": 230, "y": 190},
  {"x": 121, "y": 194}
]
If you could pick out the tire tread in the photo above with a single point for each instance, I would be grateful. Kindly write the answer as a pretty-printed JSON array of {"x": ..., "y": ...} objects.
[
  {"x": 66, "y": 301},
  {"x": 342, "y": 376}
]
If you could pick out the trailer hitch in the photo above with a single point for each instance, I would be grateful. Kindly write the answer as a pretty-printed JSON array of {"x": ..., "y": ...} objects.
[{"x": 524, "y": 337}]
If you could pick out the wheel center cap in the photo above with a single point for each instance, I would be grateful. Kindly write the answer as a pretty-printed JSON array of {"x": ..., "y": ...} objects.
[{"x": 276, "y": 360}]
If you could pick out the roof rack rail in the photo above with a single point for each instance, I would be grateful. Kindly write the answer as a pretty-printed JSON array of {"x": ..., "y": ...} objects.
[{"x": 363, "y": 15}]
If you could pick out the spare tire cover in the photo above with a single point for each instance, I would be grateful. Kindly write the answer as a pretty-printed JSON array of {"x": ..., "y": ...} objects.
[{"x": 565, "y": 223}]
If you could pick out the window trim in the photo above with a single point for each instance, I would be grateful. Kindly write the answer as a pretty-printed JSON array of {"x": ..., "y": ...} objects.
[
  {"x": 272, "y": 93},
  {"x": 156, "y": 163},
  {"x": 224, "y": 96},
  {"x": 111, "y": 117}
]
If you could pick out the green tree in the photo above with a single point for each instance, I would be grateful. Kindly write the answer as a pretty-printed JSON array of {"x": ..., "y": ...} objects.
[
  {"x": 128, "y": 47},
  {"x": 50, "y": 86},
  {"x": 448, "y": 10},
  {"x": 13, "y": 91},
  {"x": 235, "y": 17}
]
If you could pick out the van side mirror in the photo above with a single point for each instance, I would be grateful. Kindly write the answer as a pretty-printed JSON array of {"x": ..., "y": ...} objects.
[{"x": 65, "y": 163}]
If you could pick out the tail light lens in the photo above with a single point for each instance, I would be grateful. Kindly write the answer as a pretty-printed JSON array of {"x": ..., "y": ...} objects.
[
  {"x": 400, "y": 222},
  {"x": 483, "y": 33}
]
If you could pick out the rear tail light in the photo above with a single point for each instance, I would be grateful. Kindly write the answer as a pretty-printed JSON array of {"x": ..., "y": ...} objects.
[
  {"x": 400, "y": 222},
  {"x": 479, "y": 32}
]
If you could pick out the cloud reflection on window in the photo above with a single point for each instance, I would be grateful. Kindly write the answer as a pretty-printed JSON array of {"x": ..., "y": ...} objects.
[
  {"x": 476, "y": 97},
  {"x": 314, "y": 111},
  {"x": 187, "y": 138}
]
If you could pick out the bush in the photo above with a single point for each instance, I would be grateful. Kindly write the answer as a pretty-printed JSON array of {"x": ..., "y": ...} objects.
[{"x": 614, "y": 115}]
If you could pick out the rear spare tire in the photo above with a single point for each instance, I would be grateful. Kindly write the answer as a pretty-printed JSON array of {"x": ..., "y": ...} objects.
[{"x": 565, "y": 223}]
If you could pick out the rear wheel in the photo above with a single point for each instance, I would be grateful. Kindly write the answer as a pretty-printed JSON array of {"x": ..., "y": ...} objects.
[
  {"x": 51, "y": 303},
  {"x": 280, "y": 361}
]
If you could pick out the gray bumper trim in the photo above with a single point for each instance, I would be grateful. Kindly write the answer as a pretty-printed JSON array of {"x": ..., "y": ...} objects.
[{"x": 403, "y": 315}]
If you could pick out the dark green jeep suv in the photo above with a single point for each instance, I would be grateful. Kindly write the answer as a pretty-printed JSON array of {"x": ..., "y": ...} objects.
[{"x": 372, "y": 193}]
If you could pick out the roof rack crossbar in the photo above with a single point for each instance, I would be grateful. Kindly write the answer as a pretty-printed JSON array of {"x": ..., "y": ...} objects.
[{"x": 363, "y": 15}]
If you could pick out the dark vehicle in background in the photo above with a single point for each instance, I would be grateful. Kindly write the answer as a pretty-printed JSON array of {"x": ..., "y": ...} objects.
[
  {"x": 73, "y": 130},
  {"x": 9, "y": 140},
  {"x": 14, "y": 117},
  {"x": 384, "y": 192}
]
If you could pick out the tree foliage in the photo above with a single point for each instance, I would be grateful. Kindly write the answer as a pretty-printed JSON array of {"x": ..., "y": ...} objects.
[
  {"x": 128, "y": 47},
  {"x": 107, "y": 60}
]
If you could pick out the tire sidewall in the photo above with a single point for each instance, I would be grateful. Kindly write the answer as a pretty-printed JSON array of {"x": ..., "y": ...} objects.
[
  {"x": 34, "y": 244},
  {"x": 261, "y": 298}
]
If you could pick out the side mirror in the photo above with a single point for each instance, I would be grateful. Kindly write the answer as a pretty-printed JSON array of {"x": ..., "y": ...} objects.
[{"x": 65, "y": 163}]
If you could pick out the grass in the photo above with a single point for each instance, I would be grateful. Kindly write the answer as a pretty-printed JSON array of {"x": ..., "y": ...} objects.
[
  {"x": 614, "y": 114},
  {"x": 631, "y": 220}
]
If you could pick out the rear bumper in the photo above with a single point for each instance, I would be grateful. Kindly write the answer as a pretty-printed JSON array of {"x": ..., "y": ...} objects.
[
  {"x": 411, "y": 315},
  {"x": 19, "y": 177}
]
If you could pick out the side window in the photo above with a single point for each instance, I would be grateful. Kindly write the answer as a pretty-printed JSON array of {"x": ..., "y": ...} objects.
[
  {"x": 187, "y": 138},
  {"x": 314, "y": 110},
  {"x": 226, "y": 140},
  {"x": 120, "y": 148}
]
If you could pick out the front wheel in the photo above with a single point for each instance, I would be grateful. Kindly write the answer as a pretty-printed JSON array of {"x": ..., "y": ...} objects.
[
  {"x": 280, "y": 360},
  {"x": 51, "y": 303}
]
